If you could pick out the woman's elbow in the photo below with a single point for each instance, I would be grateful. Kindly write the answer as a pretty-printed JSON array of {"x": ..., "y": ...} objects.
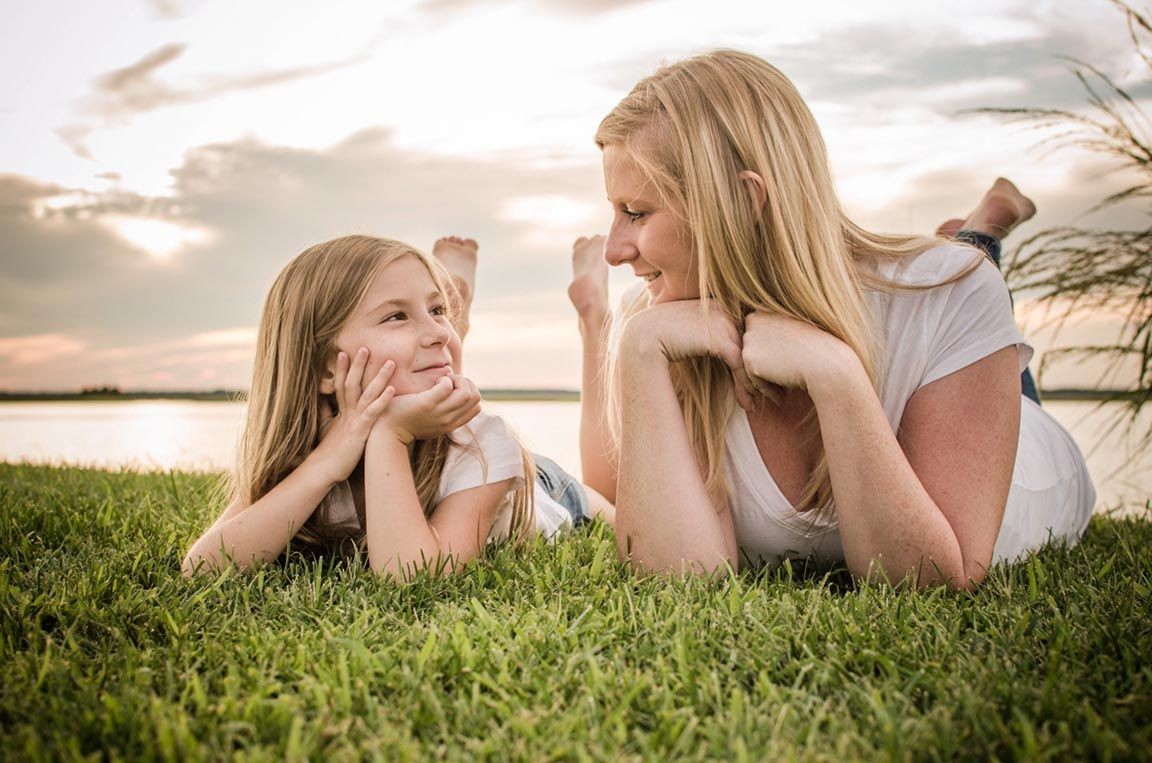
[{"x": 705, "y": 562}]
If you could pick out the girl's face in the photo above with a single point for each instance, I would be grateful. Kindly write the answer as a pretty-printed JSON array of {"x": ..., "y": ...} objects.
[
  {"x": 403, "y": 318},
  {"x": 645, "y": 234}
]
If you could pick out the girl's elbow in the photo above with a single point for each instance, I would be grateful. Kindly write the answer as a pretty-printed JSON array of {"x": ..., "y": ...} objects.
[{"x": 195, "y": 563}]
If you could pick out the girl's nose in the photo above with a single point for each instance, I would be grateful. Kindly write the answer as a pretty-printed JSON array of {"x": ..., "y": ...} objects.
[{"x": 436, "y": 333}]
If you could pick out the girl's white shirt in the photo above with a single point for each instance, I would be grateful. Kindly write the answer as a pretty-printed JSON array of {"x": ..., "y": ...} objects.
[
  {"x": 925, "y": 336},
  {"x": 484, "y": 451}
]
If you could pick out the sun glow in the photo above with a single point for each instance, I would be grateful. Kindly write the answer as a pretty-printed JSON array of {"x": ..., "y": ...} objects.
[{"x": 158, "y": 238}]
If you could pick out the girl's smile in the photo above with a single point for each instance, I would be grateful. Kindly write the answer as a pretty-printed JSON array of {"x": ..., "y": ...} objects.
[{"x": 403, "y": 317}]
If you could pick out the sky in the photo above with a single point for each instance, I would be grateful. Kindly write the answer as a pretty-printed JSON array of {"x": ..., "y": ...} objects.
[{"x": 161, "y": 160}]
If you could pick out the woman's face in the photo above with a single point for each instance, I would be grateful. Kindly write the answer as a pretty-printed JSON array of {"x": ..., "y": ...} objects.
[
  {"x": 645, "y": 234},
  {"x": 403, "y": 318}
]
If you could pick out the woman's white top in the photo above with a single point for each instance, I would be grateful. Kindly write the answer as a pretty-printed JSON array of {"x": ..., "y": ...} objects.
[
  {"x": 927, "y": 335},
  {"x": 483, "y": 452}
]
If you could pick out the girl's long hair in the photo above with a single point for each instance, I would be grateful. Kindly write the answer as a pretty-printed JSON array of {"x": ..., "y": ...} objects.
[
  {"x": 307, "y": 306},
  {"x": 692, "y": 128}
]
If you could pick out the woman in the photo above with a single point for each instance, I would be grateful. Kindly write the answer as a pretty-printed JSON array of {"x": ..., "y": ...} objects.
[{"x": 880, "y": 417}]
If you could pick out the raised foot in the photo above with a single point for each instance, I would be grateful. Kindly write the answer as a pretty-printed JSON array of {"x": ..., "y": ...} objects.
[
  {"x": 589, "y": 288},
  {"x": 998, "y": 213},
  {"x": 459, "y": 257},
  {"x": 1002, "y": 209}
]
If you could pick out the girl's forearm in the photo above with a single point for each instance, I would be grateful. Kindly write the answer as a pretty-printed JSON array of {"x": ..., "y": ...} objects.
[
  {"x": 261, "y": 532},
  {"x": 597, "y": 460},
  {"x": 399, "y": 538},
  {"x": 889, "y": 525},
  {"x": 665, "y": 519}
]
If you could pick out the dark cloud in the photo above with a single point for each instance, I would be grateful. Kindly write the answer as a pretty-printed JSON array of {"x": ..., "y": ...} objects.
[{"x": 887, "y": 66}]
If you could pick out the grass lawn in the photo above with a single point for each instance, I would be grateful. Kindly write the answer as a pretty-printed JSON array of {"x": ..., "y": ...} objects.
[{"x": 550, "y": 652}]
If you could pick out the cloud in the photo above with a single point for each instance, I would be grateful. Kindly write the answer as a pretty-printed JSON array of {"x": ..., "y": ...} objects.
[
  {"x": 65, "y": 271},
  {"x": 571, "y": 7},
  {"x": 171, "y": 9},
  {"x": 950, "y": 69},
  {"x": 137, "y": 88},
  {"x": 38, "y": 349}
]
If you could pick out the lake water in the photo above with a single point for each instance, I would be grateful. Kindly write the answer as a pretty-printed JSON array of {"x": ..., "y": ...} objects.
[{"x": 202, "y": 436}]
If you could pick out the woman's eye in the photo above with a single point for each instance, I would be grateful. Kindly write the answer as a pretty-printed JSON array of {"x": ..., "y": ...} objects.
[
  {"x": 391, "y": 317},
  {"x": 633, "y": 215}
]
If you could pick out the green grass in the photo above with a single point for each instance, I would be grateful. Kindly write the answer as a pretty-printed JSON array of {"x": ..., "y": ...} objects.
[{"x": 552, "y": 652}]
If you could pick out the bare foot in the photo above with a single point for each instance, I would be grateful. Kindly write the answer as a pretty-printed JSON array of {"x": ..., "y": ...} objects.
[
  {"x": 1002, "y": 209},
  {"x": 458, "y": 256},
  {"x": 589, "y": 288},
  {"x": 949, "y": 228}
]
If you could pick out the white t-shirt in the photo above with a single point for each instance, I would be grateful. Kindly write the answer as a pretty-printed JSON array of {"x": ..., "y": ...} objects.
[
  {"x": 927, "y": 335},
  {"x": 483, "y": 452}
]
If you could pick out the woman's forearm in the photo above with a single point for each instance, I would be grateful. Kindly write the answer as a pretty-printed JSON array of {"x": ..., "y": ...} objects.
[
  {"x": 261, "y": 532},
  {"x": 597, "y": 459},
  {"x": 889, "y": 525},
  {"x": 665, "y": 519}
]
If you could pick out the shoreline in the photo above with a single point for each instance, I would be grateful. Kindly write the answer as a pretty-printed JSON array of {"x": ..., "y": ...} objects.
[{"x": 504, "y": 394}]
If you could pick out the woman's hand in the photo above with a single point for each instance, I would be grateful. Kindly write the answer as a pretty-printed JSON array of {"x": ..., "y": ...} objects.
[
  {"x": 451, "y": 403},
  {"x": 358, "y": 408},
  {"x": 680, "y": 330},
  {"x": 782, "y": 351}
]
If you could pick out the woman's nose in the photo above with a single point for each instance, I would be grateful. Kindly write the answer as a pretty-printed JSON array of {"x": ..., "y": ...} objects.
[{"x": 618, "y": 250}]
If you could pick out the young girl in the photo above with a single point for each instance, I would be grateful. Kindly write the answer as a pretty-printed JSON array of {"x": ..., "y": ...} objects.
[{"x": 361, "y": 434}]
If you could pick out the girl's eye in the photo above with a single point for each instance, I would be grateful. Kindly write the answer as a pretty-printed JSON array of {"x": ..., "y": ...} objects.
[{"x": 439, "y": 310}]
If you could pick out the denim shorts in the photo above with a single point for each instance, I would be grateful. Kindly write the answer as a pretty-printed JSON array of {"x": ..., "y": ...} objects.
[{"x": 565, "y": 489}]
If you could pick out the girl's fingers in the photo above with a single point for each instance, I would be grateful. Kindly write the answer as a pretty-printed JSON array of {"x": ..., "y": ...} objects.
[
  {"x": 338, "y": 383},
  {"x": 377, "y": 406},
  {"x": 355, "y": 377},
  {"x": 379, "y": 381},
  {"x": 464, "y": 395},
  {"x": 441, "y": 390}
]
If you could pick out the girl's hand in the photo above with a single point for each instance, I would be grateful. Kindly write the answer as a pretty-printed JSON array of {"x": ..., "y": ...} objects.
[
  {"x": 785, "y": 352},
  {"x": 357, "y": 410},
  {"x": 451, "y": 403},
  {"x": 680, "y": 330}
]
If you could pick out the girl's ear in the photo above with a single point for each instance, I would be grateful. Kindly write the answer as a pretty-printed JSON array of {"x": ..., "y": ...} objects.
[
  {"x": 328, "y": 379},
  {"x": 757, "y": 190}
]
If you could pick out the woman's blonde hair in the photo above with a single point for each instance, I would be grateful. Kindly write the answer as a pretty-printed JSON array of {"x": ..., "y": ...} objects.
[
  {"x": 692, "y": 128},
  {"x": 307, "y": 306}
]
